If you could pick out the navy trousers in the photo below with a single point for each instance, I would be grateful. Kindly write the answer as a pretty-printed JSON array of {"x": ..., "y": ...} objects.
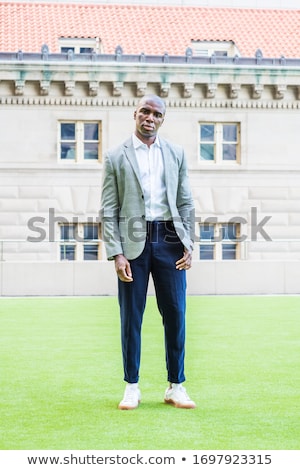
[{"x": 162, "y": 249}]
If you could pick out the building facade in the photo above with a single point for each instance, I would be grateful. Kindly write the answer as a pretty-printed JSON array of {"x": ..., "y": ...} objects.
[{"x": 237, "y": 119}]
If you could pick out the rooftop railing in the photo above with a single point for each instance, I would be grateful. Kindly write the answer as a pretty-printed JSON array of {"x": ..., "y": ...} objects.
[{"x": 119, "y": 56}]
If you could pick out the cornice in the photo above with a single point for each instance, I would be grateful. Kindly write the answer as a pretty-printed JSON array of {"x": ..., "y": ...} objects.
[{"x": 59, "y": 76}]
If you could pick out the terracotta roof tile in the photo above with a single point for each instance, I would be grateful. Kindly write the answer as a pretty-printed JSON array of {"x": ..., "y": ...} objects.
[{"x": 148, "y": 29}]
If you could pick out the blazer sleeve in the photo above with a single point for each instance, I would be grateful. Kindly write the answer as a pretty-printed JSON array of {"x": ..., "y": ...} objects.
[
  {"x": 109, "y": 213},
  {"x": 185, "y": 202}
]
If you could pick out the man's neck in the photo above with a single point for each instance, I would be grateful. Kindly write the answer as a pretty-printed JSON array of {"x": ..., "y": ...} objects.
[{"x": 146, "y": 140}]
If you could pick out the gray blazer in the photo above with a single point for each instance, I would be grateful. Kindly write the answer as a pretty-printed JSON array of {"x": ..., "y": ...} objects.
[{"x": 123, "y": 208}]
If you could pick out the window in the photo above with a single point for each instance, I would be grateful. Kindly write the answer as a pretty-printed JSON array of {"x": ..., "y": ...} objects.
[
  {"x": 219, "y": 142},
  {"x": 79, "y": 141},
  {"x": 218, "y": 48},
  {"x": 80, "y": 45},
  {"x": 80, "y": 242},
  {"x": 219, "y": 241}
]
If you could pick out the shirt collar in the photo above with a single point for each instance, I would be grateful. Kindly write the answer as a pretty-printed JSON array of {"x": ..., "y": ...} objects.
[{"x": 137, "y": 143}]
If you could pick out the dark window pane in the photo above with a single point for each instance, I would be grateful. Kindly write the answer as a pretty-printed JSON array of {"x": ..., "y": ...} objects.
[
  {"x": 90, "y": 151},
  {"x": 90, "y": 232},
  {"x": 207, "y": 151},
  {"x": 90, "y": 252},
  {"x": 229, "y": 132},
  {"x": 65, "y": 50},
  {"x": 67, "y": 232},
  {"x": 228, "y": 251},
  {"x": 206, "y": 232},
  {"x": 207, "y": 252},
  {"x": 67, "y": 131},
  {"x": 67, "y": 151},
  {"x": 67, "y": 252},
  {"x": 91, "y": 131},
  {"x": 86, "y": 50},
  {"x": 207, "y": 132},
  {"x": 229, "y": 152},
  {"x": 229, "y": 232},
  {"x": 221, "y": 53}
]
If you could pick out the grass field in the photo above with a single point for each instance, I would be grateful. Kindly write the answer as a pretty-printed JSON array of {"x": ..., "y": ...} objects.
[{"x": 61, "y": 376}]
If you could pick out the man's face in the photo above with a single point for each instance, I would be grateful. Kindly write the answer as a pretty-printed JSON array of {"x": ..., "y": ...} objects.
[{"x": 149, "y": 116}]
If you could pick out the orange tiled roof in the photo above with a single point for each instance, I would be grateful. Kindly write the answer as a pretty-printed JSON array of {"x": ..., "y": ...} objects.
[{"x": 148, "y": 29}]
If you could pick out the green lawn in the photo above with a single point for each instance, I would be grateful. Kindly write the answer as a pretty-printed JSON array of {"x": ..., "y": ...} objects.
[{"x": 61, "y": 376}]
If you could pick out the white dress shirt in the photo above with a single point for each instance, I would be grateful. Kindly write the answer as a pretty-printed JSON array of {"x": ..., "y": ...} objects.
[{"x": 152, "y": 174}]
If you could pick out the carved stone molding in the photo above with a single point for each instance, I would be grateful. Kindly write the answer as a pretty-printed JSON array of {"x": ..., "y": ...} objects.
[
  {"x": 234, "y": 90},
  {"x": 211, "y": 89},
  {"x": 257, "y": 91},
  {"x": 19, "y": 87},
  {"x": 164, "y": 90},
  {"x": 280, "y": 91},
  {"x": 93, "y": 88},
  {"x": 69, "y": 87},
  {"x": 44, "y": 87},
  {"x": 141, "y": 88},
  {"x": 188, "y": 90},
  {"x": 117, "y": 88},
  {"x": 132, "y": 101}
]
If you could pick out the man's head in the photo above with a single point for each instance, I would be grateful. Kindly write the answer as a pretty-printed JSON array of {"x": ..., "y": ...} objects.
[{"x": 149, "y": 116}]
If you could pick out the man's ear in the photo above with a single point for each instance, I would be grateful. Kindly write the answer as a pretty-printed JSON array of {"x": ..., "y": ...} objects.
[{"x": 134, "y": 115}]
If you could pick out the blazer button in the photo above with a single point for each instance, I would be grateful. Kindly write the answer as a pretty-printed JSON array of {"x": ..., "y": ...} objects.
[{"x": 143, "y": 216}]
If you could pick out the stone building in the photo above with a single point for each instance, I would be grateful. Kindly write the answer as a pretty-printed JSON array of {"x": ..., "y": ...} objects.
[{"x": 70, "y": 77}]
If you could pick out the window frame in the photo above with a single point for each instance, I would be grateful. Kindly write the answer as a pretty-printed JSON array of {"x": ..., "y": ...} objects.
[
  {"x": 76, "y": 44},
  {"x": 218, "y": 242},
  {"x": 79, "y": 242},
  {"x": 79, "y": 142},
  {"x": 205, "y": 48},
  {"x": 218, "y": 143}
]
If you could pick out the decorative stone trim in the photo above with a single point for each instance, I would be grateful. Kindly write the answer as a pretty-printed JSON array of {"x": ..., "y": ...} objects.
[
  {"x": 172, "y": 103},
  {"x": 164, "y": 90},
  {"x": 257, "y": 91},
  {"x": 44, "y": 87},
  {"x": 141, "y": 88},
  {"x": 69, "y": 87},
  {"x": 211, "y": 89},
  {"x": 93, "y": 88},
  {"x": 19, "y": 87},
  {"x": 234, "y": 90},
  {"x": 280, "y": 91},
  {"x": 117, "y": 88},
  {"x": 188, "y": 90}
]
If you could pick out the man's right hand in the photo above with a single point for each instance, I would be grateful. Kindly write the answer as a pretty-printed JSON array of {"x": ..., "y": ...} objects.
[{"x": 123, "y": 269}]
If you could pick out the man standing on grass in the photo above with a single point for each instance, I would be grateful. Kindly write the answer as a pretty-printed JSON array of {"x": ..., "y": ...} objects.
[{"x": 147, "y": 226}]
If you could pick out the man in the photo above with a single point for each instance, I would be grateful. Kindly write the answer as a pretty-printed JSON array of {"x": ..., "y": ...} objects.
[{"x": 147, "y": 223}]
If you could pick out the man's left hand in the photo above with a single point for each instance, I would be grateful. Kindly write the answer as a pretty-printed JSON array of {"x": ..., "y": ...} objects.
[{"x": 186, "y": 261}]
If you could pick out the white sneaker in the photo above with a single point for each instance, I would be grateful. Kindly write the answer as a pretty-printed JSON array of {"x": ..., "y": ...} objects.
[
  {"x": 131, "y": 398},
  {"x": 176, "y": 395}
]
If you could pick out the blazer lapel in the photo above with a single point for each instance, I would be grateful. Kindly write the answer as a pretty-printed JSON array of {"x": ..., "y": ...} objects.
[
  {"x": 130, "y": 155},
  {"x": 167, "y": 167}
]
